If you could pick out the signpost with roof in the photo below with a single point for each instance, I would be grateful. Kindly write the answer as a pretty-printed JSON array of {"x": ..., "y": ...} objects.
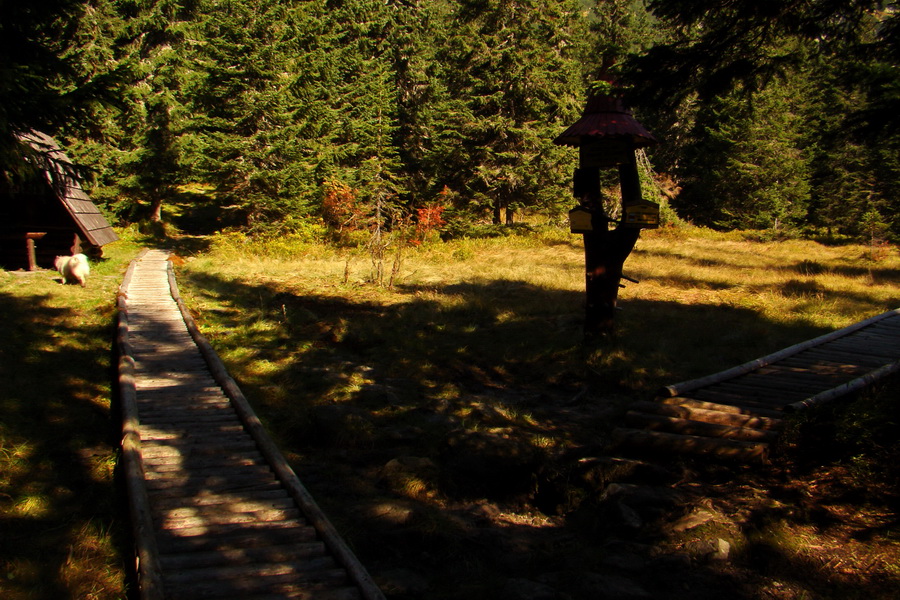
[{"x": 607, "y": 136}]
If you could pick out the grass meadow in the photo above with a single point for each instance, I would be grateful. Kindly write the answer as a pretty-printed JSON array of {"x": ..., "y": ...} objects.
[
  {"x": 353, "y": 360},
  {"x": 509, "y": 311},
  {"x": 404, "y": 393}
]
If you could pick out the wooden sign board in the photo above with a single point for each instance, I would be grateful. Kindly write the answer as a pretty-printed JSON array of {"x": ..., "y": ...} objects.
[
  {"x": 581, "y": 220},
  {"x": 643, "y": 215}
]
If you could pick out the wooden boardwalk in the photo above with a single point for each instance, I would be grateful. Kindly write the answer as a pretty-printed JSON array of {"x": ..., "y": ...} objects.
[
  {"x": 738, "y": 413},
  {"x": 217, "y": 511}
]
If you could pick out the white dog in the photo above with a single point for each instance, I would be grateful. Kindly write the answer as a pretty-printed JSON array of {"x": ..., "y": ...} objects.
[{"x": 73, "y": 268}]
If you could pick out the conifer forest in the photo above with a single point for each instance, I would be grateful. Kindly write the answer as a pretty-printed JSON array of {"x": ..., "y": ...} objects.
[{"x": 278, "y": 116}]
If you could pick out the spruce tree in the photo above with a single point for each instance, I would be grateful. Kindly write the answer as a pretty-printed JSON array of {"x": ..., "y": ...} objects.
[
  {"x": 817, "y": 75},
  {"x": 52, "y": 75},
  {"x": 512, "y": 66},
  {"x": 242, "y": 132},
  {"x": 745, "y": 165},
  {"x": 360, "y": 97},
  {"x": 425, "y": 144}
]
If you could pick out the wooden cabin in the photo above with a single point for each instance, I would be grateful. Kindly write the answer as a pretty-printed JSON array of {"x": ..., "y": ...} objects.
[{"x": 49, "y": 215}]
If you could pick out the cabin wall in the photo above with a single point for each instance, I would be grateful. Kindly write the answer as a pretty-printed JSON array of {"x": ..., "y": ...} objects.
[{"x": 34, "y": 209}]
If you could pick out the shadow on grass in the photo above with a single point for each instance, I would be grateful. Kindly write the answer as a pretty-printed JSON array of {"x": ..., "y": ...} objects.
[
  {"x": 433, "y": 428},
  {"x": 56, "y": 435}
]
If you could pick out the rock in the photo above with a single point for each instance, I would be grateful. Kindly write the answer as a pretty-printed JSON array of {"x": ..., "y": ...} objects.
[
  {"x": 625, "y": 516},
  {"x": 483, "y": 512},
  {"x": 611, "y": 587},
  {"x": 649, "y": 502},
  {"x": 493, "y": 464},
  {"x": 596, "y": 586},
  {"x": 392, "y": 512},
  {"x": 676, "y": 562},
  {"x": 598, "y": 472},
  {"x": 721, "y": 552},
  {"x": 709, "y": 550},
  {"x": 692, "y": 520},
  {"x": 624, "y": 562},
  {"x": 644, "y": 494},
  {"x": 604, "y": 518}
]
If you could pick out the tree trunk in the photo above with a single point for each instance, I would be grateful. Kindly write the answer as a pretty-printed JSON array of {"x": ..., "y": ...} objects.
[{"x": 156, "y": 208}]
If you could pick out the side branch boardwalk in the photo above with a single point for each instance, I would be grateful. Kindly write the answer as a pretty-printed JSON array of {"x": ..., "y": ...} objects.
[
  {"x": 216, "y": 510},
  {"x": 737, "y": 413}
]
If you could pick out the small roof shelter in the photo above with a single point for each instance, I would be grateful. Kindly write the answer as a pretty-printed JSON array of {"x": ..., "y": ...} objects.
[
  {"x": 49, "y": 214},
  {"x": 606, "y": 118}
]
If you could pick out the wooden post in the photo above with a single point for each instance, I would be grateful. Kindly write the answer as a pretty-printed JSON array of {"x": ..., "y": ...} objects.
[
  {"x": 29, "y": 243},
  {"x": 605, "y": 252}
]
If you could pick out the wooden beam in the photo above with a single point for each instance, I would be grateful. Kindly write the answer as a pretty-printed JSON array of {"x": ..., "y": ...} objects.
[
  {"x": 730, "y": 419},
  {"x": 690, "y": 444},
  {"x": 736, "y": 408},
  {"x": 848, "y": 388},
  {"x": 655, "y": 422}
]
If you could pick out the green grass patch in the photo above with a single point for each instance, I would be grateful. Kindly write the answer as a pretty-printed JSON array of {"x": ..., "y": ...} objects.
[
  {"x": 477, "y": 333},
  {"x": 60, "y": 514}
]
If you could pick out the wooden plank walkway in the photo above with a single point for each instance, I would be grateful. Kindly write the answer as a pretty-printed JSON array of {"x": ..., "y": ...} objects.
[
  {"x": 216, "y": 510},
  {"x": 738, "y": 413}
]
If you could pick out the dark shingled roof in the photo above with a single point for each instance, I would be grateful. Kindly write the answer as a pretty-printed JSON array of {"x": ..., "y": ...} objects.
[
  {"x": 59, "y": 173},
  {"x": 606, "y": 117}
]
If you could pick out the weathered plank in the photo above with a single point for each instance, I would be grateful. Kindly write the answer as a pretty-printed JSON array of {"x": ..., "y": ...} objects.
[
  {"x": 273, "y": 553},
  {"x": 208, "y": 497}
]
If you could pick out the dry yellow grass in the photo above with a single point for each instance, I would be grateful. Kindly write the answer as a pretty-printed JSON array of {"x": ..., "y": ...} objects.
[{"x": 705, "y": 301}]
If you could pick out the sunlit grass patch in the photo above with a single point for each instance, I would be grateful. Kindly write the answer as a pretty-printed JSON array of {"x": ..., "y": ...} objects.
[
  {"x": 32, "y": 507},
  {"x": 14, "y": 456}
]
